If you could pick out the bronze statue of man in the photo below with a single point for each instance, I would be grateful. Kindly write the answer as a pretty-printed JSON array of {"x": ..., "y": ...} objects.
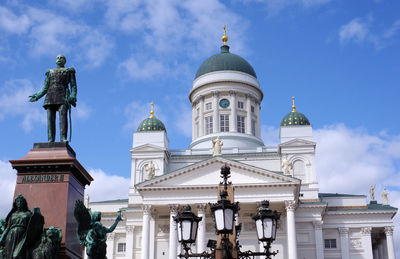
[{"x": 59, "y": 97}]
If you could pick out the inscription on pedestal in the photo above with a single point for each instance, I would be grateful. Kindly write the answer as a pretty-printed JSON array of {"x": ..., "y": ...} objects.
[{"x": 47, "y": 178}]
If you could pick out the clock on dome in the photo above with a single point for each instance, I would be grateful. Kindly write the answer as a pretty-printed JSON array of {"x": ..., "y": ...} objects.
[{"x": 224, "y": 103}]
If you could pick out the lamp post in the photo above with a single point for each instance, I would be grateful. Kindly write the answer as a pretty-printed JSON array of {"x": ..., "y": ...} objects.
[{"x": 225, "y": 214}]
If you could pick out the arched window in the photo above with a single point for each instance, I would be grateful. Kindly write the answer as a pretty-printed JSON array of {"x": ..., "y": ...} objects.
[{"x": 299, "y": 170}]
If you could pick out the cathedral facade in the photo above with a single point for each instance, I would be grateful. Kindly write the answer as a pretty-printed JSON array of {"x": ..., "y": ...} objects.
[{"x": 226, "y": 101}]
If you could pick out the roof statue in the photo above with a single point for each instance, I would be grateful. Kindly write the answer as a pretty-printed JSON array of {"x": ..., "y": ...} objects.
[
  {"x": 372, "y": 192},
  {"x": 385, "y": 200},
  {"x": 286, "y": 166},
  {"x": 150, "y": 171},
  {"x": 91, "y": 233},
  {"x": 59, "y": 97},
  {"x": 217, "y": 146}
]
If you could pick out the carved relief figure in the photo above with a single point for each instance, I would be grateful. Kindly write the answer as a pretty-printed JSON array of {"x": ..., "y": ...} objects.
[
  {"x": 372, "y": 192},
  {"x": 91, "y": 233},
  {"x": 150, "y": 171},
  {"x": 217, "y": 146},
  {"x": 286, "y": 166},
  {"x": 385, "y": 200}
]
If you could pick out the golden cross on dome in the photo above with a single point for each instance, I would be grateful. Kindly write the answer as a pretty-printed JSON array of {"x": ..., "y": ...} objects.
[
  {"x": 293, "y": 106},
  {"x": 152, "y": 110},
  {"x": 224, "y": 38}
]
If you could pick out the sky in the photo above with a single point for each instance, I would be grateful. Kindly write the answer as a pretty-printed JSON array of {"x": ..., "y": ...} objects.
[{"x": 339, "y": 58}]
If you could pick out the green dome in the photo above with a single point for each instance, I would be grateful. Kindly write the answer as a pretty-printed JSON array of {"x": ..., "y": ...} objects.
[
  {"x": 295, "y": 118},
  {"x": 151, "y": 124},
  {"x": 225, "y": 61}
]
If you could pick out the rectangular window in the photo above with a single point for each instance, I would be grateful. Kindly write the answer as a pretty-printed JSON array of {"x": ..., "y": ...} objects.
[
  {"x": 209, "y": 124},
  {"x": 240, "y": 105},
  {"x": 253, "y": 127},
  {"x": 224, "y": 123},
  {"x": 240, "y": 124},
  {"x": 252, "y": 109},
  {"x": 208, "y": 106},
  {"x": 197, "y": 130},
  {"x": 330, "y": 243},
  {"x": 121, "y": 247}
]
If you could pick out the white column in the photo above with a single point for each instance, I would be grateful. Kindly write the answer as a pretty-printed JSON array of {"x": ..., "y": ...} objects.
[
  {"x": 291, "y": 229},
  {"x": 129, "y": 242},
  {"x": 215, "y": 112},
  {"x": 201, "y": 116},
  {"x": 193, "y": 120},
  {"x": 248, "y": 117},
  {"x": 389, "y": 242},
  {"x": 110, "y": 245},
  {"x": 173, "y": 238},
  {"x": 152, "y": 234},
  {"x": 201, "y": 235},
  {"x": 146, "y": 231},
  {"x": 233, "y": 119},
  {"x": 367, "y": 242},
  {"x": 344, "y": 242},
  {"x": 319, "y": 241},
  {"x": 257, "y": 110}
]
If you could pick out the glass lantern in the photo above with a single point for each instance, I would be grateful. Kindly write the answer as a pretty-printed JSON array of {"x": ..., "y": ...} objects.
[
  {"x": 187, "y": 225},
  {"x": 266, "y": 223},
  {"x": 224, "y": 214}
]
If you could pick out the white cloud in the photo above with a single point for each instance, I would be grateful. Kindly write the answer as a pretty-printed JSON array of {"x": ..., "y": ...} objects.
[
  {"x": 270, "y": 135},
  {"x": 183, "y": 121},
  {"x": 14, "y": 102},
  {"x": 142, "y": 68},
  {"x": 107, "y": 186},
  {"x": 7, "y": 186},
  {"x": 275, "y": 6},
  {"x": 13, "y": 23},
  {"x": 355, "y": 159},
  {"x": 83, "y": 111},
  {"x": 392, "y": 31},
  {"x": 356, "y": 30}
]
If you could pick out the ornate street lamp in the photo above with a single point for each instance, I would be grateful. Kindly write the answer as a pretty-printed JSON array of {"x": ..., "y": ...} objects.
[{"x": 225, "y": 214}]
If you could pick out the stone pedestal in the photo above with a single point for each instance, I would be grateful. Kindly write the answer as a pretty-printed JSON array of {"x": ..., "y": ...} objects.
[{"x": 50, "y": 177}]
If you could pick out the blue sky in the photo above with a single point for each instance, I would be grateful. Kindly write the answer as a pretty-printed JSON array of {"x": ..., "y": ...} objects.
[{"x": 341, "y": 59}]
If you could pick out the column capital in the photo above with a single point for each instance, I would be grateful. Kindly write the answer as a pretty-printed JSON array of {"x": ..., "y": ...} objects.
[
  {"x": 215, "y": 93},
  {"x": 389, "y": 230},
  {"x": 201, "y": 207},
  {"x": 130, "y": 229},
  {"x": 173, "y": 208},
  {"x": 366, "y": 231},
  {"x": 344, "y": 231},
  {"x": 290, "y": 205},
  {"x": 146, "y": 209},
  {"x": 318, "y": 224},
  {"x": 233, "y": 93}
]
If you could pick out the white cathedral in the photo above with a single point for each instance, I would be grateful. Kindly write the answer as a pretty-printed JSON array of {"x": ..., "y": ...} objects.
[{"x": 226, "y": 101}]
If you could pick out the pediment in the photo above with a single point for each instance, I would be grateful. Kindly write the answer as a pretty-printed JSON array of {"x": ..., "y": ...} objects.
[
  {"x": 148, "y": 148},
  {"x": 207, "y": 173},
  {"x": 298, "y": 142}
]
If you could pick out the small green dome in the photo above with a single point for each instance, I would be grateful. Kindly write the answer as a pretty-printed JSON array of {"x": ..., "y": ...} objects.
[
  {"x": 225, "y": 61},
  {"x": 151, "y": 124},
  {"x": 295, "y": 118}
]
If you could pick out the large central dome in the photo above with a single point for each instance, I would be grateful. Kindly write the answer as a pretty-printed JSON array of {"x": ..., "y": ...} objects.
[{"x": 225, "y": 61}]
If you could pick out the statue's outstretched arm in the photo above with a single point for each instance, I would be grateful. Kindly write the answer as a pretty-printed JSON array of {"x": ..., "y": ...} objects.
[
  {"x": 42, "y": 91},
  {"x": 118, "y": 219}
]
